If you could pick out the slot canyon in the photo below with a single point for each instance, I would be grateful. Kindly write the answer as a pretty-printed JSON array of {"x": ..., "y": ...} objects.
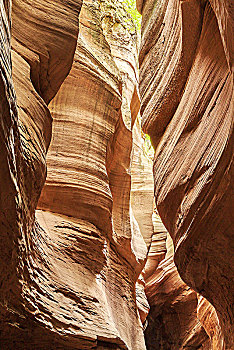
[{"x": 116, "y": 197}]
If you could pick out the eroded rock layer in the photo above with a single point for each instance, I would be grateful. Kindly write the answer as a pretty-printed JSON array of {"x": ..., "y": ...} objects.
[
  {"x": 87, "y": 262},
  {"x": 86, "y": 197},
  {"x": 173, "y": 321},
  {"x": 25, "y": 137},
  {"x": 68, "y": 277},
  {"x": 171, "y": 313},
  {"x": 186, "y": 85}
]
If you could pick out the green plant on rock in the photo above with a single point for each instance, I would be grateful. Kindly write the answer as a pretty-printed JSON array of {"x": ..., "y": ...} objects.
[{"x": 130, "y": 6}]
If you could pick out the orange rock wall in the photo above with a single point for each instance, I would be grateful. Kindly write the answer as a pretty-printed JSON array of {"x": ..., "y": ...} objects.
[
  {"x": 186, "y": 86},
  {"x": 86, "y": 262},
  {"x": 71, "y": 283},
  {"x": 86, "y": 197}
]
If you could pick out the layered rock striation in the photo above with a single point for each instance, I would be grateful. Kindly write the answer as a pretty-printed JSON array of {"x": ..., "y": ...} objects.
[
  {"x": 173, "y": 315},
  {"x": 79, "y": 257},
  {"x": 86, "y": 262},
  {"x": 186, "y": 86},
  {"x": 173, "y": 321}
]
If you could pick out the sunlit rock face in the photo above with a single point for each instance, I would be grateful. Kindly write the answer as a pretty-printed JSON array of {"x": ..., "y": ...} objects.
[
  {"x": 186, "y": 86},
  {"x": 95, "y": 247},
  {"x": 86, "y": 262},
  {"x": 68, "y": 273},
  {"x": 210, "y": 321},
  {"x": 38, "y": 41},
  {"x": 142, "y": 203},
  {"x": 171, "y": 313}
]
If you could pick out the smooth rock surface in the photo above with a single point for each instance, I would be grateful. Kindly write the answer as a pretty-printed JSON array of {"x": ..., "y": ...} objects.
[
  {"x": 173, "y": 320},
  {"x": 91, "y": 265},
  {"x": 89, "y": 180},
  {"x": 186, "y": 86}
]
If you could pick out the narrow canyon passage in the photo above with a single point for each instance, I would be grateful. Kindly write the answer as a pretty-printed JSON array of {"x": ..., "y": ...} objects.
[{"x": 116, "y": 150}]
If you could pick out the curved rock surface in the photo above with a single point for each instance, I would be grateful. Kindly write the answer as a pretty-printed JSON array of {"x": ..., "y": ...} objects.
[
  {"x": 209, "y": 319},
  {"x": 89, "y": 182},
  {"x": 25, "y": 137},
  {"x": 86, "y": 262},
  {"x": 186, "y": 85},
  {"x": 171, "y": 313},
  {"x": 73, "y": 273},
  {"x": 173, "y": 321}
]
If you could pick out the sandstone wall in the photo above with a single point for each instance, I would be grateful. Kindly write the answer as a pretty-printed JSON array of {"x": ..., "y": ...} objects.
[
  {"x": 186, "y": 86},
  {"x": 86, "y": 198},
  {"x": 74, "y": 268},
  {"x": 86, "y": 262},
  {"x": 173, "y": 315}
]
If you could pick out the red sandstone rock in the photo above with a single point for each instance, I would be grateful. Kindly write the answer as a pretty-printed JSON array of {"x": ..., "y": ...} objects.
[
  {"x": 73, "y": 277},
  {"x": 89, "y": 179},
  {"x": 186, "y": 86},
  {"x": 173, "y": 321},
  {"x": 208, "y": 318}
]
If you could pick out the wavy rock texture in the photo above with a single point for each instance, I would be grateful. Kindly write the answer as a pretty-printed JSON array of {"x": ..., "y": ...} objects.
[
  {"x": 10, "y": 199},
  {"x": 142, "y": 202},
  {"x": 142, "y": 185},
  {"x": 186, "y": 87},
  {"x": 173, "y": 321},
  {"x": 45, "y": 35},
  {"x": 209, "y": 319},
  {"x": 93, "y": 243},
  {"x": 25, "y": 137},
  {"x": 170, "y": 312},
  {"x": 71, "y": 282},
  {"x": 71, "y": 271}
]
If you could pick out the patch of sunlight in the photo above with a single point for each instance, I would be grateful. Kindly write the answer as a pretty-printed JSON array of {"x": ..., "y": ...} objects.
[
  {"x": 147, "y": 146},
  {"x": 130, "y": 6}
]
